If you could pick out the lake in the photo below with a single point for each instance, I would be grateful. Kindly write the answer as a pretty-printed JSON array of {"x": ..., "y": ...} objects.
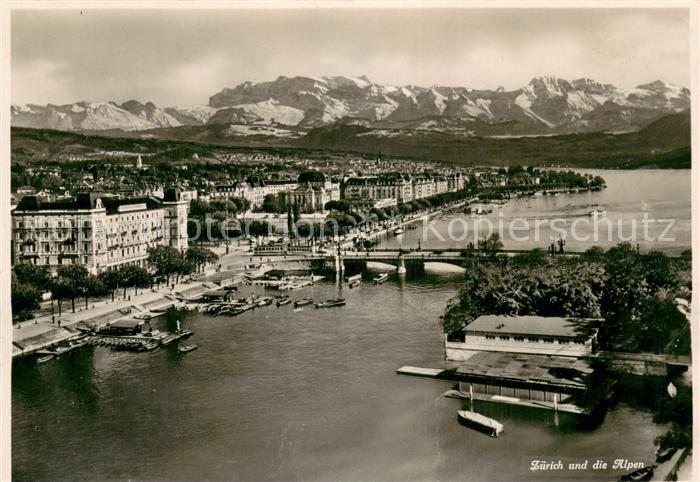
[
  {"x": 662, "y": 197},
  {"x": 277, "y": 395}
]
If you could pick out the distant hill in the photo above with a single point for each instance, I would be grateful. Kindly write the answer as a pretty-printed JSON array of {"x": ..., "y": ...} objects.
[{"x": 665, "y": 143}]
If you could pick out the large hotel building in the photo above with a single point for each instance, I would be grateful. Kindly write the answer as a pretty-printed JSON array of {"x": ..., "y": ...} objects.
[{"x": 98, "y": 231}]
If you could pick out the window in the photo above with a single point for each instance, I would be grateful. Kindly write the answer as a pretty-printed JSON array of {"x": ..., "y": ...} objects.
[
  {"x": 504, "y": 337},
  {"x": 519, "y": 338}
]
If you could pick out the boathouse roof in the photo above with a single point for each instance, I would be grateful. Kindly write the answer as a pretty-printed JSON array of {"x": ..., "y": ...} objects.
[
  {"x": 553, "y": 326},
  {"x": 553, "y": 370}
]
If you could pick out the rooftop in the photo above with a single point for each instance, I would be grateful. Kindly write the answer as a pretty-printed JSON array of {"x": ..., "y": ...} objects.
[
  {"x": 85, "y": 201},
  {"x": 127, "y": 323},
  {"x": 534, "y": 325},
  {"x": 558, "y": 370}
]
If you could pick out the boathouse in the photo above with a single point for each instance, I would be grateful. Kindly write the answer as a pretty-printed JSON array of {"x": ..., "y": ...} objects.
[
  {"x": 124, "y": 327},
  {"x": 217, "y": 295},
  {"x": 537, "y": 335},
  {"x": 545, "y": 381}
]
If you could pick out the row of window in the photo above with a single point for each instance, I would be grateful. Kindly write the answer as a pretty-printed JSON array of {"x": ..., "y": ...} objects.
[{"x": 535, "y": 339}]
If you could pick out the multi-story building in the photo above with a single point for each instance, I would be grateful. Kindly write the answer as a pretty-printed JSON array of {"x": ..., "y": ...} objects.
[
  {"x": 253, "y": 190},
  {"x": 455, "y": 181},
  {"x": 364, "y": 189},
  {"x": 311, "y": 197},
  {"x": 423, "y": 187},
  {"x": 97, "y": 231}
]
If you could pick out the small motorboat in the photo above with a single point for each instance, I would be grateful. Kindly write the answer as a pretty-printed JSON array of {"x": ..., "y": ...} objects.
[
  {"x": 188, "y": 348},
  {"x": 355, "y": 283},
  {"x": 150, "y": 346},
  {"x": 380, "y": 278},
  {"x": 265, "y": 300},
  {"x": 44, "y": 359},
  {"x": 480, "y": 422},
  {"x": 645, "y": 473},
  {"x": 398, "y": 231},
  {"x": 284, "y": 301},
  {"x": 331, "y": 303},
  {"x": 356, "y": 277},
  {"x": 303, "y": 302}
]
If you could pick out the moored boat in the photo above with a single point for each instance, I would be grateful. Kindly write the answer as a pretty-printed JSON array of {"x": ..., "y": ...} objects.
[
  {"x": 44, "y": 359},
  {"x": 303, "y": 302},
  {"x": 265, "y": 300},
  {"x": 188, "y": 348},
  {"x": 284, "y": 301},
  {"x": 398, "y": 231},
  {"x": 480, "y": 422},
  {"x": 356, "y": 277},
  {"x": 380, "y": 278},
  {"x": 355, "y": 283},
  {"x": 331, "y": 303}
]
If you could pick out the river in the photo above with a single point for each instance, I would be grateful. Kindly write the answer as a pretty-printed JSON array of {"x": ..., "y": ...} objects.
[
  {"x": 277, "y": 395},
  {"x": 314, "y": 395},
  {"x": 661, "y": 197}
]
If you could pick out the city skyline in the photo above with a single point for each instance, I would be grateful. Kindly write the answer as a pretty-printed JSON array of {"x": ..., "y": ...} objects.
[{"x": 181, "y": 57}]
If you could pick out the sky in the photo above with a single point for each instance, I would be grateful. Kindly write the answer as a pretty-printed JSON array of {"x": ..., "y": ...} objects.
[{"x": 182, "y": 57}]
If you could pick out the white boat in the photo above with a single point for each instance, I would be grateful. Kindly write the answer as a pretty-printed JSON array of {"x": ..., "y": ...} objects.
[
  {"x": 480, "y": 422},
  {"x": 356, "y": 277},
  {"x": 44, "y": 359},
  {"x": 380, "y": 278},
  {"x": 398, "y": 231},
  {"x": 188, "y": 348}
]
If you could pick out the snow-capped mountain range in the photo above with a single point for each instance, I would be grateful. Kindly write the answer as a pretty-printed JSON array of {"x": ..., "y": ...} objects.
[{"x": 546, "y": 105}]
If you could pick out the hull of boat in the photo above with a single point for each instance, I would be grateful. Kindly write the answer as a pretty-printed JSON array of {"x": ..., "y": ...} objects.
[{"x": 480, "y": 422}]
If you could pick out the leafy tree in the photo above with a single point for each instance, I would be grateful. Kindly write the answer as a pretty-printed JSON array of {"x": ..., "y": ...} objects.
[
  {"x": 93, "y": 288},
  {"x": 165, "y": 261},
  {"x": 75, "y": 278},
  {"x": 110, "y": 279},
  {"x": 37, "y": 276},
  {"x": 134, "y": 276},
  {"x": 60, "y": 290},
  {"x": 200, "y": 257},
  {"x": 25, "y": 299}
]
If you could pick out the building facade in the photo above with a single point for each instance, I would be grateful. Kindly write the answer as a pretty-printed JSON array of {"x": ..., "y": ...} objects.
[
  {"x": 366, "y": 189},
  {"x": 97, "y": 231},
  {"x": 524, "y": 334},
  {"x": 252, "y": 190}
]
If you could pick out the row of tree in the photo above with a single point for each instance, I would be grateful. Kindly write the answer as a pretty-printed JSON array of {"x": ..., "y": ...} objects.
[{"x": 71, "y": 282}]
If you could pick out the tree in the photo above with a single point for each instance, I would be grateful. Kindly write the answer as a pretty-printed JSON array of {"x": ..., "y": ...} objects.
[
  {"x": 75, "y": 278},
  {"x": 134, "y": 276},
  {"x": 60, "y": 291},
  {"x": 165, "y": 261},
  {"x": 110, "y": 279},
  {"x": 37, "y": 276},
  {"x": 25, "y": 299},
  {"x": 93, "y": 288},
  {"x": 200, "y": 257}
]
